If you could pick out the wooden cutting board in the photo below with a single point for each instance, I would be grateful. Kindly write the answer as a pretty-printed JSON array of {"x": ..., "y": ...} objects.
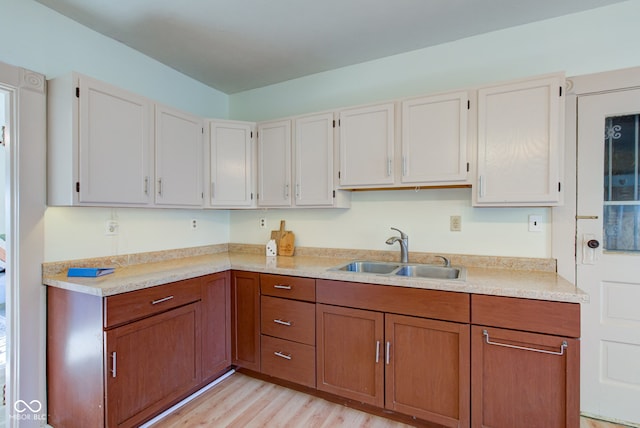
[{"x": 285, "y": 240}]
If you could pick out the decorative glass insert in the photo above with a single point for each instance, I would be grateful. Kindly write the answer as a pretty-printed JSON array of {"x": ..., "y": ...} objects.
[{"x": 621, "y": 183}]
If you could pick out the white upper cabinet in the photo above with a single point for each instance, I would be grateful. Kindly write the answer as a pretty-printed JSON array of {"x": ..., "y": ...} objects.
[
  {"x": 434, "y": 140},
  {"x": 179, "y": 148},
  {"x": 274, "y": 164},
  {"x": 99, "y": 144},
  {"x": 367, "y": 136},
  {"x": 313, "y": 148},
  {"x": 231, "y": 164},
  {"x": 520, "y": 143}
]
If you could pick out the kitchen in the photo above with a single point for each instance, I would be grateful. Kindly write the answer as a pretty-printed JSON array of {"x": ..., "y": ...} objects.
[{"x": 365, "y": 224}]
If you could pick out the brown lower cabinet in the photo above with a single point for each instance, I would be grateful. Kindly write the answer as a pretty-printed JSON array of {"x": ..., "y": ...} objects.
[
  {"x": 407, "y": 364},
  {"x": 120, "y": 360},
  {"x": 245, "y": 319}
]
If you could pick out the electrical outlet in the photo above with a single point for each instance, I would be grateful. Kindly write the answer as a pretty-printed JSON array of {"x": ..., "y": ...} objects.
[
  {"x": 111, "y": 228},
  {"x": 194, "y": 224},
  {"x": 263, "y": 223},
  {"x": 535, "y": 223},
  {"x": 455, "y": 223}
]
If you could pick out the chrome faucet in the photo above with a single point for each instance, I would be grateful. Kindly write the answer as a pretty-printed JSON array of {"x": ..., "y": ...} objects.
[{"x": 404, "y": 245}]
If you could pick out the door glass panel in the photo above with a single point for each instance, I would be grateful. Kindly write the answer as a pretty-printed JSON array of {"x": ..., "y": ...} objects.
[{"x": 621, "y": 184}]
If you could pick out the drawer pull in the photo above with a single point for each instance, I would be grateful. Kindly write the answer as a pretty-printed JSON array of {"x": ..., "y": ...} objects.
[
  {"x": 113, "y": 364},
  {"x": 542, "y": 351},
  {"x": 282, "y": 287},
  {"x": 164, "y": 299},
  {"x": 377, "y": 351},
  {"x": 281, "y": 355},
  {"x": 287, "y": 323}
]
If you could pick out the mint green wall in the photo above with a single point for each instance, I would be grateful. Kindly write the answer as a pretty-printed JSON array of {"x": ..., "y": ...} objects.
[
  {"x": 597, "y": 40},
  {"x": 37, "y": 38},
  {"x": 40, "y": 39}
]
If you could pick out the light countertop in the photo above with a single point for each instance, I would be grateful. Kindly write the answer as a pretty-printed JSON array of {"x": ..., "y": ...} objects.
[{"x": 491, "y": 281}]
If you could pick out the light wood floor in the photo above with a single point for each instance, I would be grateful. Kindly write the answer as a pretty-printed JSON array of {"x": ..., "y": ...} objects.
[{"x": 242, "y": 401}]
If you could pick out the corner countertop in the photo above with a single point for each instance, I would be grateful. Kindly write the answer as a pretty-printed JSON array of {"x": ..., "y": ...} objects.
[{"x": 490, "y": 281}]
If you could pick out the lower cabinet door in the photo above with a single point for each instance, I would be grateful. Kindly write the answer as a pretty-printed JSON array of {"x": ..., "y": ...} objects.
[
  {"x": 350, "y": 354},
  {"x": 427, "y": 369},
  {"x": 151, "y": 363},
  {"x": 245, "y": 319},
  {"x": 292, "y": 361},
  {"x": 524, "y": 380},
  {"x": 216, "y": 324}
]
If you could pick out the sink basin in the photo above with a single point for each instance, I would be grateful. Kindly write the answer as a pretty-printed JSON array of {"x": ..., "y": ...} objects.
[
  {"x": 369, "y": 267},
  {"x": 428, "y": 271},
  {"x": 413, "y": 270}
]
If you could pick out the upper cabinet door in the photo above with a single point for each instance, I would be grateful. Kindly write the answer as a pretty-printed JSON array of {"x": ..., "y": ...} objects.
[
  {"x": 178, "y": 180},
  {"x": 314, "y": 160},
  {"x": 115, "y": 137},
  {"x": 274, "y": 164},
  {"x": 231, "y": 164},
  {"x": 520, "y": 143},
  {"x": 366, "y": 146},
  {"x": 434, "y": 139}
]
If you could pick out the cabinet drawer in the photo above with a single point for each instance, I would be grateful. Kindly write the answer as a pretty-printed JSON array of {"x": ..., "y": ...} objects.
[
  {"x": 291, "y": 287},
  {"x": 539, "y": 316},
  {"x": 134, "y": 305},
  {"x": 288, "y": 360},
  {"x": 288, "y": 319}
]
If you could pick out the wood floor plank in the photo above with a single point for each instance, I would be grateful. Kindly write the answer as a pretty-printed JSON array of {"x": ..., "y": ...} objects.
[{"x": 241, "y": 401}]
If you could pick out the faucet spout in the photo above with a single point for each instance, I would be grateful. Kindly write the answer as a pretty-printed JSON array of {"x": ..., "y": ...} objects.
[{"x": 404, "y": 244}]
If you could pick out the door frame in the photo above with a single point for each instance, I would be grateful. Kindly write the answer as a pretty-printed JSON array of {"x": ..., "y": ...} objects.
[
  {"x": 26, "y": 197},
  {"x": 564, "y": 229}
]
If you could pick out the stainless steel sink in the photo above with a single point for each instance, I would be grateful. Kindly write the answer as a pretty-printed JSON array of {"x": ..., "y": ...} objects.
[
  {"x": 414, "y": 270},
  {"x": 369, "y": 267},
  {"x": 429, "y": 271}
]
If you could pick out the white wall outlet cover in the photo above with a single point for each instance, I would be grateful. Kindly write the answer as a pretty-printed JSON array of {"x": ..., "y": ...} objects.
[
  {"x": 535, "y": 223},
  {"x": 271, "y": 248}
]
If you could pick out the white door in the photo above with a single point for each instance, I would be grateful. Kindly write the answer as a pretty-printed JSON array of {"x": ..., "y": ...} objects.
[{"x": 608, "y": 253}]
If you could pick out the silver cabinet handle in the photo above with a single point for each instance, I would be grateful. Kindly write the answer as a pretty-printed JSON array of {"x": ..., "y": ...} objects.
[
  {"x": 281, "y": 355},
  {"x": 388, "y": 353},
  {"x": 113, "y": 364},
  {"x": 404, "y": 166},
  {"x": 160, "y": 187},
  {"x": 564, "y": 346},
  {"x": 212, "y": 192},
  {"x": 481, "y": 185},
  {"x": 286, "y": 191},
  {"x": 281, "y": 322},
  {"x": 389, "y": 167},
  {"x": 146, "y": 185},
  {"x": 377, "y": 351},
  {"x": 164, "y": 299},
  {"x": 282, "y": 287}
]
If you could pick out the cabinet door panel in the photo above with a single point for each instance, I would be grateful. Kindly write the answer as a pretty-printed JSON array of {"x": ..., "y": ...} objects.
[
  {"x": 115, "y": 145},
  {"x": 245, "y": 319},
  {"x": 434, "y": 139},
  {"x": 178, "y": 158},
  {"x": 314, "y": 160},
  {"x": 427, "y": 374},
  {"x": 520, "y": 143},
  {"x": 216, "y": 324},
  {"x": 366, "y": 146},
  {"x": 522, "y": 387},
  {"x": 231, "y": 164},
  {"x": 350, "y": 358},
  {"x": 151, "y": 363},
  {"x": 274, "y": 164}
]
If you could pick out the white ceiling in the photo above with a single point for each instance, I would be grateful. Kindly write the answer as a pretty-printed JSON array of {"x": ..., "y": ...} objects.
[{"x": 235, "y": 45}]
